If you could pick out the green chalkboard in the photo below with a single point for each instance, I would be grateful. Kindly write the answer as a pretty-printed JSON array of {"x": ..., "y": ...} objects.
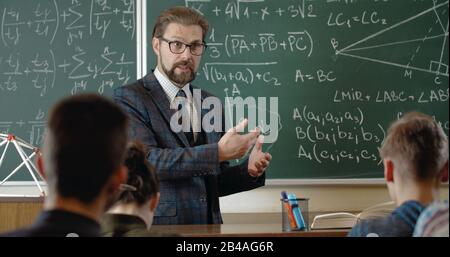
[
  {"x": 54, "y": 48},
  {"x": 342, "y": 71}
]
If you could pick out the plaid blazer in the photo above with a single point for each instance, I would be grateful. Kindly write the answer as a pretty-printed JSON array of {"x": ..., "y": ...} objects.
[{"x": 191, "y": 178}]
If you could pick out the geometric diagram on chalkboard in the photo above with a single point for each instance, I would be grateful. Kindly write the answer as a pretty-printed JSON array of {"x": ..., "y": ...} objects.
[
  {"x": 20, "y": 147},
  {"x": 423, "y": 38}
]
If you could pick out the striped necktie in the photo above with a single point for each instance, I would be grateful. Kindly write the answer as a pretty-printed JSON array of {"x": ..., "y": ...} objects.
[{"x": 189, "y": 134}]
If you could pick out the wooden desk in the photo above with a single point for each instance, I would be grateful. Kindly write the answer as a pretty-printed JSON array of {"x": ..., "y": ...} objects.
[
  {"x": 242, "y": 230},
  {"x": 18, "y": 212}
]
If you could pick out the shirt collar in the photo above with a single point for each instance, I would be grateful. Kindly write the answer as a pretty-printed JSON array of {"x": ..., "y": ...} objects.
[{"x": 170, "y": 88}]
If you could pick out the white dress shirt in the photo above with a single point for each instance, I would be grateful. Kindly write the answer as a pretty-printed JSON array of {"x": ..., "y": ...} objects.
[{"x": 171, "y": 91}]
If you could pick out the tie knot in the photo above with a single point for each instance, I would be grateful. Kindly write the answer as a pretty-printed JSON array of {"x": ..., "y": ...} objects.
[
  {"x": 181, "y": 93},
  {"x": 182, "y": 99}
]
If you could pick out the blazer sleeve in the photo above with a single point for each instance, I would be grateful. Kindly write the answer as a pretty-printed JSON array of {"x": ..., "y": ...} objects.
[
  {"x": 170, "y": 163},
  {"x": 235, "y": 179}
]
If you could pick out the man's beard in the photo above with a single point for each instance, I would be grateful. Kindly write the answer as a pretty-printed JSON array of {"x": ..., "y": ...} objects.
[{"x": 182, "y": 78}]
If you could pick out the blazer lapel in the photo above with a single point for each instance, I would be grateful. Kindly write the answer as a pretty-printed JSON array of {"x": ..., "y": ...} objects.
[{"x": 159, "y": 97}]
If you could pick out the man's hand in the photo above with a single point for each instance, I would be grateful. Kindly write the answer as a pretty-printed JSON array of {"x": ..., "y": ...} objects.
[
  {"x": 233, "y": 145},
  {"x": 258, "y": 160}
]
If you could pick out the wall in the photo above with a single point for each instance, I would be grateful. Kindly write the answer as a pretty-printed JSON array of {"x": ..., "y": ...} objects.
[
  {"x": 327, "y": 198},
  {"x": 17, "y": 214},
  {"x": 323, "y": 198}
]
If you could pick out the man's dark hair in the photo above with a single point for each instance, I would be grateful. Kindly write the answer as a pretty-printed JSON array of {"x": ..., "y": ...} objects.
[
  {"x": 143, "y": 182},
  {"x": 86, "y": 143}
]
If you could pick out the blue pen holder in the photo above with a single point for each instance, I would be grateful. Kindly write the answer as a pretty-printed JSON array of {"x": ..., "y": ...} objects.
[{"x": 287, "y": 214}]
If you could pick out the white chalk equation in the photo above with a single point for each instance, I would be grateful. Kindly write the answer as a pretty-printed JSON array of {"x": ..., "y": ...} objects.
[
  {"x": 243, "y": 73},
  {"x": 56, "y": 47},
  {"x": 296, "y": 42},
  {"x": 34, "y": 128},
  {"x": 80, "y": 19},
  {"x": 336, "y": 136},
  {"x": 255, "y": 9},
  {"x": 429, "y": 96},
  {"x": 38, "y": 69}
]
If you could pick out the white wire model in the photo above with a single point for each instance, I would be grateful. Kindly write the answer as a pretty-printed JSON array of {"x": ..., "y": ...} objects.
[{"x": 20, "y": 145}]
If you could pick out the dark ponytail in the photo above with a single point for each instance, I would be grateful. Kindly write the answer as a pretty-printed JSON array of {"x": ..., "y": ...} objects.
[{"x": 142, "y": 183}]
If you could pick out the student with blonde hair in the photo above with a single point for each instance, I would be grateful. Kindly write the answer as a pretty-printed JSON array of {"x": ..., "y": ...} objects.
[{"x": 415, "y": 158}]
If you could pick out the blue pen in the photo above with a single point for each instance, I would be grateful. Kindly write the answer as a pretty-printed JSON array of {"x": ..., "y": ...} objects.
[
  {"x": 297, "y": 211},
  {"x": 288, "y": 207},
  {"x": 284, "y": 195}
]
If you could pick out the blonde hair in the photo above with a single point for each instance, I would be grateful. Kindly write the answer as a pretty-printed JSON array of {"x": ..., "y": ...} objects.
[{"x": 418, "y": 145}]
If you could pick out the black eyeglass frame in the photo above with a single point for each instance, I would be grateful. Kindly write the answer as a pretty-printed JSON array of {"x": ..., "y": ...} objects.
[{"x": 170, "y": 42}]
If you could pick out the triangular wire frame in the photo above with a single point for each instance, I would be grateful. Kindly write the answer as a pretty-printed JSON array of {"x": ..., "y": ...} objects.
[{"x": 10, "y": 140}]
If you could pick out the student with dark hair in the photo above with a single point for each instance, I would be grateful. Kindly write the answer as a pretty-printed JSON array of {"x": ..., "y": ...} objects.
[
  {"x": 132, "y": 213},
  {"x": 83, "y": 155},
  {"x": 415, "y": 158}
]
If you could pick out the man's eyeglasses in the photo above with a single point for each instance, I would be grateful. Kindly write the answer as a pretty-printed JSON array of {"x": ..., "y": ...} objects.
[{"x": 178, "y": 47}]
